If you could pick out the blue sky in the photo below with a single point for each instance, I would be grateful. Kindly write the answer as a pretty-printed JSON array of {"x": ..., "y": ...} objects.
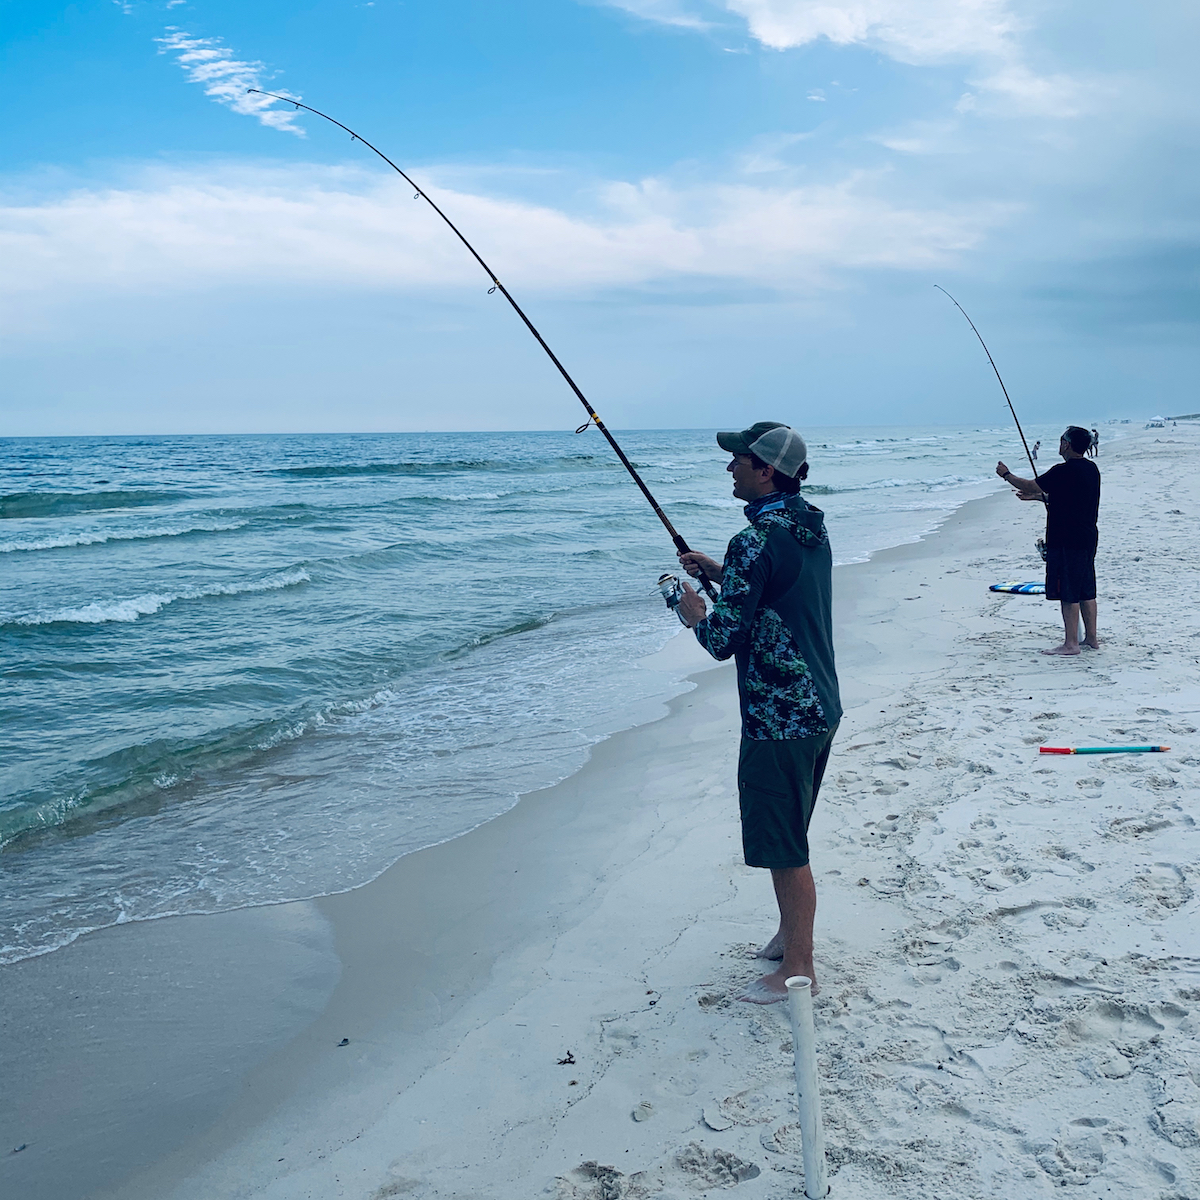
[{"x": 716, "y": 210}]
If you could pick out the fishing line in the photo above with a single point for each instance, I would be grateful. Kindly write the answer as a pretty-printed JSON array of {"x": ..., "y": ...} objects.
[
  {"x": 997, "y": 370},
  {"x": 593, "y": 418}
]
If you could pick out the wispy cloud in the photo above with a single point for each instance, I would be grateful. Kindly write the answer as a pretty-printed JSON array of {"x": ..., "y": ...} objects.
[
  {"x": 771, "y": 153},
  {"x": 210, "y": 63},
  {"x": 1026, "y": 92},
  {"x": 665, "y": 12}
]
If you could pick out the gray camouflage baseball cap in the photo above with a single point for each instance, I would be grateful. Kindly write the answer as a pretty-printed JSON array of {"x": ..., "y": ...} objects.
[{"x": 772, "y": 441}]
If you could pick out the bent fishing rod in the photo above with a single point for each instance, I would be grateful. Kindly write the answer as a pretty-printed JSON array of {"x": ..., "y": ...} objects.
[
  {"x": 997, "y": 370},
  {"x": 593, "y": 418}
]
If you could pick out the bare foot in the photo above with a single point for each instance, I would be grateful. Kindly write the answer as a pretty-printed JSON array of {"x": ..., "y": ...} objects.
[
  {"x": 1091, "y": 645},
  {"x": 1064, "y": 649},
  {"x": 770, "y": 989},
  {"x": 773, "y": 949}
]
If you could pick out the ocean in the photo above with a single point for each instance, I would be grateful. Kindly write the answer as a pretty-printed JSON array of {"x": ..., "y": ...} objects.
[{"x": 245, "y": 670}]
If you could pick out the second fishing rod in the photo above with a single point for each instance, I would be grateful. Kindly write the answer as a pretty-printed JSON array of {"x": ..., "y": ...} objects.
[
  {"x": 999, "y": 379},
  {"x": 593, "y": 418}
]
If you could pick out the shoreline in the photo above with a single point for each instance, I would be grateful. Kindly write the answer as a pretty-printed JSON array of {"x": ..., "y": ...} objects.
[
  {"x": 202, "y": 1131},
  {"x": 487, "y": 943}
]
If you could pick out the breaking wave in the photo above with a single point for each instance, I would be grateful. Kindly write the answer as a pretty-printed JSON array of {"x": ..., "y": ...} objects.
[
  {"x": 101, "y": 612},
  {"x": 96, "y": 538}
]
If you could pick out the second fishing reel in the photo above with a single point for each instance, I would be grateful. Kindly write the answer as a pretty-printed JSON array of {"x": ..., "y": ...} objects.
[{"x": 671, "y": 587}]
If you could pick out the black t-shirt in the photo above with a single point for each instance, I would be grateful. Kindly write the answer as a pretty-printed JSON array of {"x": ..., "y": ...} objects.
[{"x": 1073, "y": 502}]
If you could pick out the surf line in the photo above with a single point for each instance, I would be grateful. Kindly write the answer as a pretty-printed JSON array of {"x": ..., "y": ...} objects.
[
  {"x": 593, "y": 418},
  {"x": 1032, "y": 465}
]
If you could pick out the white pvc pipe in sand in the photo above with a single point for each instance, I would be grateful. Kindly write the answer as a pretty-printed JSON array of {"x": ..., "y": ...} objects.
[{"x": 804, "y": 1042}]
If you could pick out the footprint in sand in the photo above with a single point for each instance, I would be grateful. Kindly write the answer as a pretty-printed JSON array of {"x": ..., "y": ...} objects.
[
  {"x": 1161, "y": 782},
  {"x": 876, "y": 832},
  {"x": 748, "y": 1107},
  {"x": 1161, "y": 888},
  {"x": 1134, "y": 827},
  {"x": 1177, "y": 1115},
  {"x": 714, "y": 1168},
  {"x": 1076, "y": 1154},
  {"x": 1068, "y": 858},
  {"x": 1110, "y": 1025},
  {"x": 592, "y": 1181},
  {"x": 928, "y": 948},
  {"x": 783, "y": 1139},
  {"x": 619, "y": 1038},
  {"x": 1111, "y": 1063}
]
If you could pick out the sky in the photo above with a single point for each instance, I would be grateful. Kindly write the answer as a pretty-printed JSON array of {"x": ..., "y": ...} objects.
[{"x": 717, "y": 211}]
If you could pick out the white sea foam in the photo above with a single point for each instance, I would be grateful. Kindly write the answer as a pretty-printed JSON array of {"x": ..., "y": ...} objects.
[
  {"x": 101, "y": 612},
  {"x": 331, "y": 710}
]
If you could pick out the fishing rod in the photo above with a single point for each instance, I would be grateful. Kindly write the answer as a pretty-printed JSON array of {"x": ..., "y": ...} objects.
[
  {"x": 986, "y": 351},
  {"x": 593, "y": 417}
]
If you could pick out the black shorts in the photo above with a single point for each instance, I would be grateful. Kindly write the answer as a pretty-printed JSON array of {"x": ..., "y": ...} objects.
[
  {"x": 1070, "y": 574},
  {"x": 777, "y": 789}
]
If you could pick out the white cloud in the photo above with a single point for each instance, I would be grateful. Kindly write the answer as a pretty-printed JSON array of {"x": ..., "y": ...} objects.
[
  {"x": 226, "y": 79},
  {"x": 914, "y": 31},
  {"x": 985, "y": 33},
  {"x": 318, "y": 226}
]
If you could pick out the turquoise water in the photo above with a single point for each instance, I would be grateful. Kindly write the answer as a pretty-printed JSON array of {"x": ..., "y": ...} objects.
[{"x": 247, "y": 669}]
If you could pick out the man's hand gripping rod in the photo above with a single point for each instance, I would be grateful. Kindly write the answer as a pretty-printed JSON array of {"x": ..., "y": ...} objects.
[{"x": 593, "y": 418}]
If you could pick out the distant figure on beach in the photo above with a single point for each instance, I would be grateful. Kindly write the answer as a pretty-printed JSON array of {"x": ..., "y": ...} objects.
[
  {"x": 1033, "y": 453},
  {"x": 1071, "y": 491},
  {"x": 1095, "y": 447},
  {"x": 774, "y": 616}
]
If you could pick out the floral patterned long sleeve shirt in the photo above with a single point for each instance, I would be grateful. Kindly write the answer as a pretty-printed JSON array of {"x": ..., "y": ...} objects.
[{"x": 774, "y": 616}]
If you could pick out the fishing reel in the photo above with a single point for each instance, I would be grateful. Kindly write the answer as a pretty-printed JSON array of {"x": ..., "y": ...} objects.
[{"x": 671, "y": 587}]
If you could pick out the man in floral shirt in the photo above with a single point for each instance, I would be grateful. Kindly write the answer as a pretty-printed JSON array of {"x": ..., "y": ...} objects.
[{"x": 774, "y": 618}]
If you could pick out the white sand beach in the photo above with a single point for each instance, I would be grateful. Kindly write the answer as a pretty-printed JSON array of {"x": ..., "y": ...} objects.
[{"x": 1006, "y": 943}]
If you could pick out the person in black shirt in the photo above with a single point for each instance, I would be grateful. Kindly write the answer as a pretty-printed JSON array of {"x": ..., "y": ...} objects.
[{"x": 1071, "y": 490}]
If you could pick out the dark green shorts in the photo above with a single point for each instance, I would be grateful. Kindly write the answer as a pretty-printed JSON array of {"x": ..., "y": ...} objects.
[{"x": 777, "y": 788}]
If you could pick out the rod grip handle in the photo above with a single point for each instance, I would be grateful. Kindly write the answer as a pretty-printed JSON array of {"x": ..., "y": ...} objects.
[{"x": 707, "y": 584}]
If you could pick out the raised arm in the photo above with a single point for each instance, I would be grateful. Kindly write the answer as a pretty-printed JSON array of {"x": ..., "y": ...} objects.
[{"x": 1027, "y": 489}]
